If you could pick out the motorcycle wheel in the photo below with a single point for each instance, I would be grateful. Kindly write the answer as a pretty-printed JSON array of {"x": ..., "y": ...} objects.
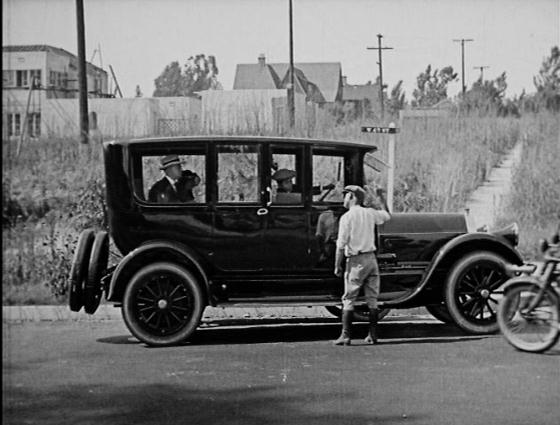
[{"x": 533, "y": 331}]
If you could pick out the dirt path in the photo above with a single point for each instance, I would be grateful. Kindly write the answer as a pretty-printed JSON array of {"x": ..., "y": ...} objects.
[{"x": 484, "y": 204}]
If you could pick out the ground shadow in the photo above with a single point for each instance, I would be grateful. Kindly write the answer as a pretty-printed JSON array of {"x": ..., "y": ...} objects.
[
  {"x": 179, "y": 403},
  {"x": 305, "y": 331}
]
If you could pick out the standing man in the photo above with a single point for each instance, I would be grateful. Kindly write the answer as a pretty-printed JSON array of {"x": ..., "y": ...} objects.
[{"x": 356, "y": 242}]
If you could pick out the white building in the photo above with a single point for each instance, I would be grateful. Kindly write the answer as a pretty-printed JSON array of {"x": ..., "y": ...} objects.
[{"x": 34, "y": 74}]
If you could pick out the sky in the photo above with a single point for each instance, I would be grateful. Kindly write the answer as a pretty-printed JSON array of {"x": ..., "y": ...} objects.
[{"x": 138, "y": 38}]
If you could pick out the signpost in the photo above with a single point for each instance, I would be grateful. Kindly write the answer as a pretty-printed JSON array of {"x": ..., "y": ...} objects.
[{"x": 392, "y": 130}]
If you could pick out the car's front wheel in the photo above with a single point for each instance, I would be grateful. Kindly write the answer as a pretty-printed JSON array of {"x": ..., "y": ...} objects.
[
  {"x": 473, "y": 289},
  {"x": 162, "y": 304}
]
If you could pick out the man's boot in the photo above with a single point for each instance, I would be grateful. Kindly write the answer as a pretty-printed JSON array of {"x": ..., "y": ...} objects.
[
  {"x": 344, "y": 338},
  {"x": 372, "y": 334}
]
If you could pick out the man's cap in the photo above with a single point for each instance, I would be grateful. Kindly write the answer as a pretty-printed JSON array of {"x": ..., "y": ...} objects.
[
  {"x": 358, "y": 192},
  {"x": 283, "y": 174},
  {"x": 168, "y": 161}
]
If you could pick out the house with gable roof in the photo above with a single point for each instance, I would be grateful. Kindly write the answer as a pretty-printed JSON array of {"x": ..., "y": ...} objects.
[{"x": 320, "y": 82}]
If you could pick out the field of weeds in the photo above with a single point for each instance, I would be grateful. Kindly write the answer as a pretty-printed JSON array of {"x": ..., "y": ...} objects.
[
  {"x": 535, "y": 199},
  {"x": 55, "y": 188}
]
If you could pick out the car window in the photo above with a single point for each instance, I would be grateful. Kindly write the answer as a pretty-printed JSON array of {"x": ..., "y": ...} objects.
[
  {"x": 159, "y": 185},
  {"x": 285, "y": 177},
  {"x": 238, "y": 173},
  {"x": 328, "y": 177}
]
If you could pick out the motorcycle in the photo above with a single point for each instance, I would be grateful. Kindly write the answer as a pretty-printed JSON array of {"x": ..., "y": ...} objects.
[{"x": 529, "y": 313}]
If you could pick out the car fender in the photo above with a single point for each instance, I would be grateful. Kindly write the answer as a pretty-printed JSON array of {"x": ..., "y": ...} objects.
[
  {"x": 151, "y": 251},
  {"x": 453, "y": 250}
]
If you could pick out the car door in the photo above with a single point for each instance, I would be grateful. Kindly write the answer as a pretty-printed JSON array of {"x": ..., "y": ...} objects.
[
  {"x": 238, "y": 213},
  {"x": 286, "y": 222}
]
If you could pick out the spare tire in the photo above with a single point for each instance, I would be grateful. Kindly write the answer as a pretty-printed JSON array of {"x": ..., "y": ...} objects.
[
  {"x": 98, "y": 261},
  {"x": 79, "y": 269}
]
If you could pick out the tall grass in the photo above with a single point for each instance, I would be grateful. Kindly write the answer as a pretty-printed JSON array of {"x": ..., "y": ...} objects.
[
  {"x": 55, "y": 188},
  {"x": 535, "y": 198}
]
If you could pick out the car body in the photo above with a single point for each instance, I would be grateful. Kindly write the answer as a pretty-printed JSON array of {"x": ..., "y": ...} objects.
[{"x": 236, "y": 245}]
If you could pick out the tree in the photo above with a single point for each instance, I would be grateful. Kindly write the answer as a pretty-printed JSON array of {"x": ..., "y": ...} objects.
[
  {"x": 199, "y": 73},
  {"x": 486, "y": 96},
  {"x": 432, "y": 87},
  {"x": 547, "y": 82},
  {"x": 170, "y": 82},
  {"x": 396, "y": 100}
]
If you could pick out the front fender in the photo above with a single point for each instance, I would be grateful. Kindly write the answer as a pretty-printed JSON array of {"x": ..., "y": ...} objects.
[
  {"x": 453, "y": 250},
  {"x": 153, "y": 251}
]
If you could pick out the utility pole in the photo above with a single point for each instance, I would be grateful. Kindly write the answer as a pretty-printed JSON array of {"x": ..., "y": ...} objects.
[
  {"x": 291, "y": 89},
  {"x": 462, "y": 40},
  {"x": 82, "y": 75},
  {"x": 380, "y": 63},
  {"x": 481, "y": 71}
]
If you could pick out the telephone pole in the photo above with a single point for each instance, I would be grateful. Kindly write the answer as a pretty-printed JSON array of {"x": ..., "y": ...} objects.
[
  {"x": 291, "y": 89},
  {"x": 462, "y": 40},
  {"x": 380, "y": 63},
  {"x": 482, "y": 68},
  {"x": 82, "y": 75}
]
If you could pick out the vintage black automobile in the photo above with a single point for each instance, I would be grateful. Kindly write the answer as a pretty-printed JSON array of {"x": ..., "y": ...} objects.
[{"x": 240, "y": 241}]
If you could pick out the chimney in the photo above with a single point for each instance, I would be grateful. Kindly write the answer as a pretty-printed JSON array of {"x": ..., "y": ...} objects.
[
  {"x": 344, "y": 80},
  {"x": 262, "y": 60}
]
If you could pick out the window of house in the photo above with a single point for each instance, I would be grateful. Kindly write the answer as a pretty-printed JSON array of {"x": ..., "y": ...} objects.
[
  {"x": 14, "y": 126},
  {"x": 238, "y": 173},
  {"x": 34, "y": 124},
  {"x": 35, "y": 77},
  {"x": 328, "y": 177},
  {"x": 8, "y": 78},
  {"x": 21, "y": 78},
  {"x": 189, "y": 187},
  {"x": 52, "y": 78}
]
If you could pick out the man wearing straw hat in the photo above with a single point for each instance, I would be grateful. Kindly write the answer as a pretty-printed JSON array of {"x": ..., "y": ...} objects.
[
  {"x": 356, "y": 242},
  {"x": 176, "y": 185}
]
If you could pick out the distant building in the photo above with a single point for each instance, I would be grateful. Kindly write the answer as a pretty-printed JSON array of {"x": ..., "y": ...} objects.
[
  {"x": 364, "y": 98},
  {"x": 320, "y": 82},
  {"x": 32, "y": 75}
]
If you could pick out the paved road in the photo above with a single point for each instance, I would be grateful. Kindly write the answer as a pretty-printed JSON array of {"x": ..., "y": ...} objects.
[{"x": 273, "y": 371}]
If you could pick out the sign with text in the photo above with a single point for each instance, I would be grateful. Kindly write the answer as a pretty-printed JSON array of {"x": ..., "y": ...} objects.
[{"x": 382, "y": 130}]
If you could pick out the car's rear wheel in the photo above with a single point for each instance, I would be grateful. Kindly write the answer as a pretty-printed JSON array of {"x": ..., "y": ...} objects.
[
  {"x": 79, "y": 270},
  {"x": 360, "y": 312},
  {"x": 473, "y": 290},
  {"x": 162, "y": 304},
  {"x": 440, "y": 312}
]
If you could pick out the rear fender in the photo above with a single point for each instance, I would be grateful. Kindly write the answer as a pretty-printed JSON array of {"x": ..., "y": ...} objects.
[{"x": 154, "y": 251}]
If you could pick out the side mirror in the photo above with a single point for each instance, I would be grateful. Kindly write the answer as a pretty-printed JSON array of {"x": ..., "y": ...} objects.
[
  {"x": 556, "y": 238},
  {"x": 543, "y": 245}
]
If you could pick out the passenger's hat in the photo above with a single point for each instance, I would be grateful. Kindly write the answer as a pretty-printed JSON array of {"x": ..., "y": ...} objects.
[
  {"x": 168, "y": 161},
  {"x": 283, "y": 174},
  {"x": 358, "y": 192}
]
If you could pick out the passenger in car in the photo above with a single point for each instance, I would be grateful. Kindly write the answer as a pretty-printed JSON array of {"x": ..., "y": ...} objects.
[
  {"x": 176, "y": 185},
  {"x": 284, "y": 193},
  {"x": 326, "y": 235}
]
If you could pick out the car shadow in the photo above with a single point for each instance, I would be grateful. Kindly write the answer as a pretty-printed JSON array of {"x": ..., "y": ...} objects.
[{"x": 277, "y": 331}]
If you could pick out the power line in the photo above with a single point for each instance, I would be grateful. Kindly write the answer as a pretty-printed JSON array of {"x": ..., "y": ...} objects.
[
  {"x": 380, "y": 63},
  {"x": 482, "y": 68},
  {"x": 462, "y": 40}
]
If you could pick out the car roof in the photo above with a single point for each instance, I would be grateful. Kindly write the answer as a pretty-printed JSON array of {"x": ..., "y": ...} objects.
[{"x": 253, "y": 139}]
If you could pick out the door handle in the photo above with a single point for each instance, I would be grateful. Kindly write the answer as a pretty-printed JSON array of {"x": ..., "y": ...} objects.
[
  {"x": 269, "y": 201},
  {"x": 262, "y": 211}
]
